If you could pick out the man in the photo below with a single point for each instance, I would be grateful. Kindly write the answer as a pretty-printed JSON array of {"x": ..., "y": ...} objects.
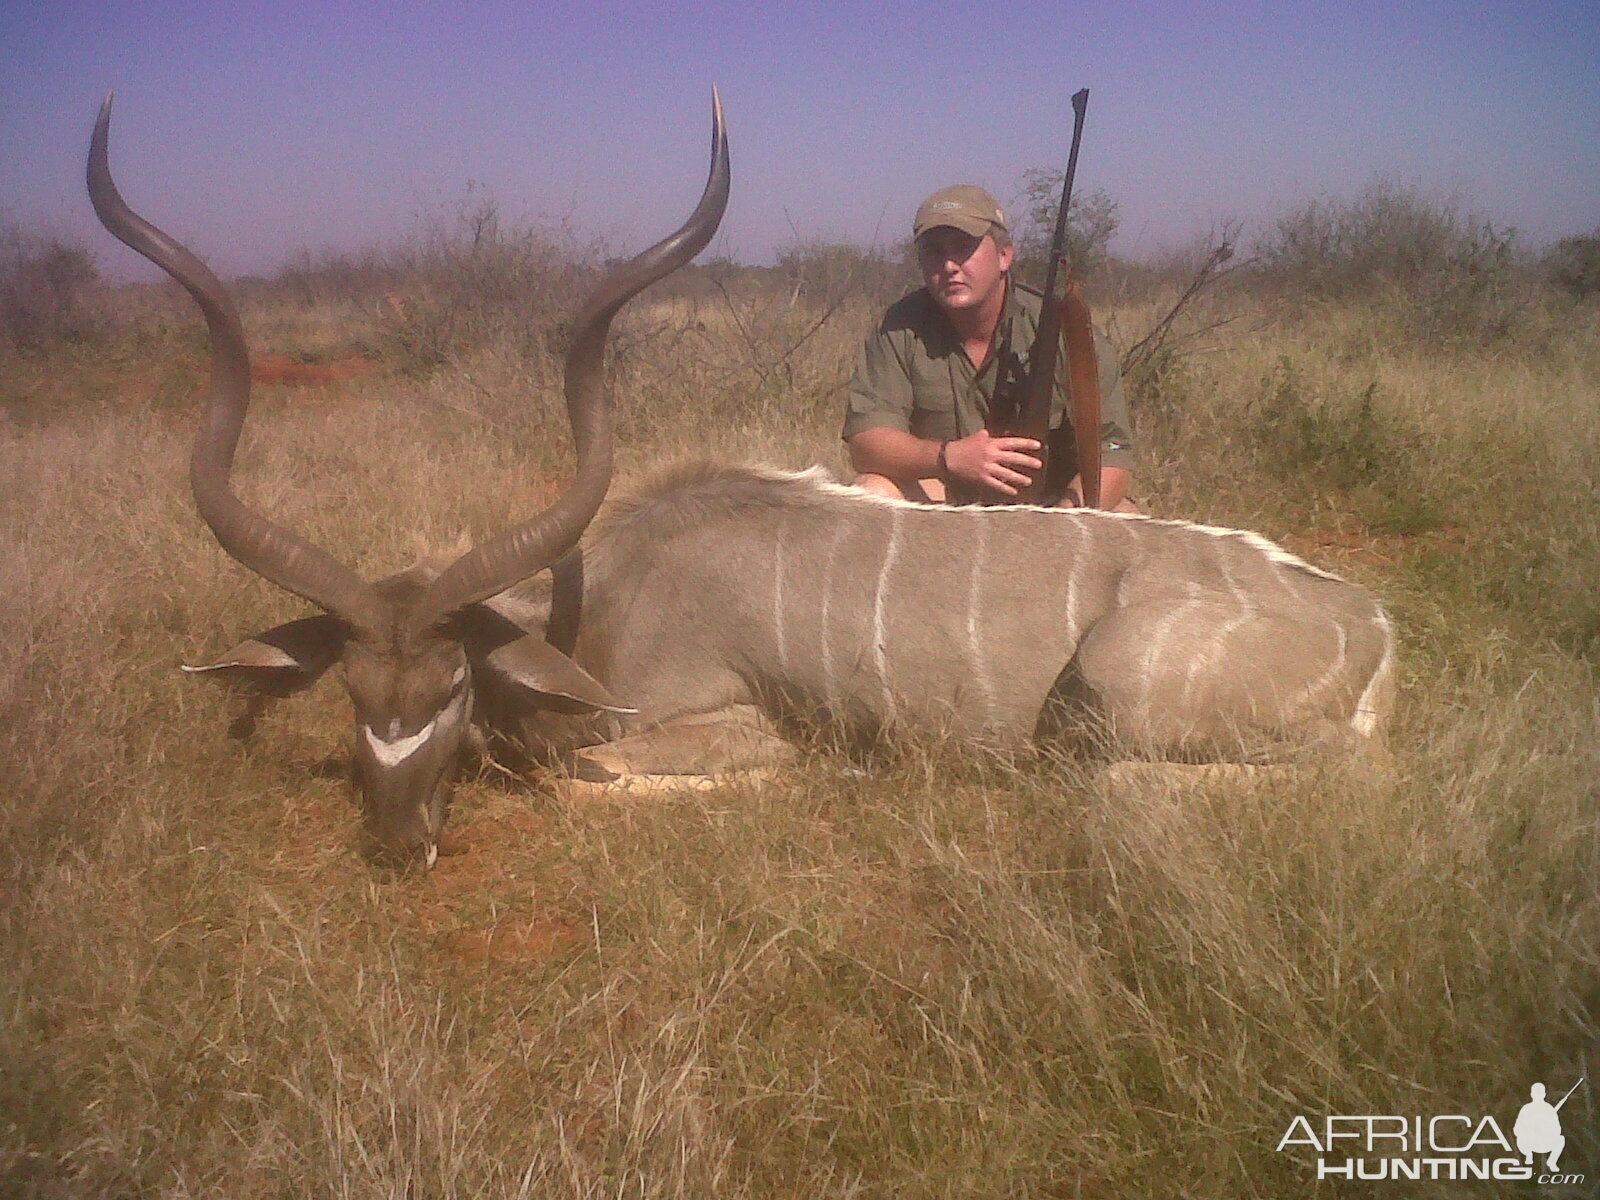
[
  {"x": 926, "y": 376},
  {"x": 1538, "y": 1128}
]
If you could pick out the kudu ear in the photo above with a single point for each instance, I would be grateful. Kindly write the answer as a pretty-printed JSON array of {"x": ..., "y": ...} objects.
[
  {"x": 282, "y": 660},
  {"x": 506, "y": 639},
  {"x": 534, "y": 665}
]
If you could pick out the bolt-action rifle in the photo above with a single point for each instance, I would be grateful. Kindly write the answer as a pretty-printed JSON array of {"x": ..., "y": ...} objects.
[{"x": 1024, "y": 410}]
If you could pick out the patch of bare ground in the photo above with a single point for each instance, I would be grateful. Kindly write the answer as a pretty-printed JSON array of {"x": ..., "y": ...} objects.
[
  {"x": 283, "y": 371},
  {"x": 487, "y": 901}
]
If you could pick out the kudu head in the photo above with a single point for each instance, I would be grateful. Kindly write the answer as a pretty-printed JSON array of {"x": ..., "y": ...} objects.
[{"x": 409, "y": 646}]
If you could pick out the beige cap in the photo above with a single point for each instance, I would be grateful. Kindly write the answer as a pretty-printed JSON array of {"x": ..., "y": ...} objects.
[{"x": 965, "y": 207}]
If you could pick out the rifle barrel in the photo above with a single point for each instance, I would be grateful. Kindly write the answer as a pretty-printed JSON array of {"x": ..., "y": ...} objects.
[
  {"x": 1570, "y": 1090},
  {"x": 1058, "y": 239}
]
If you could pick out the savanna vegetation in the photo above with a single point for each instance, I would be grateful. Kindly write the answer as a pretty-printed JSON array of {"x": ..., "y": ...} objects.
[{"x": 919, "y": 974}]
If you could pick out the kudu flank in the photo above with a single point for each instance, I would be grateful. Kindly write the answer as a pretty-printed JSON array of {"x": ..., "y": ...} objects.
[
  {"x": 410, "y": 645},
  {"x": 713, "y": 609}
]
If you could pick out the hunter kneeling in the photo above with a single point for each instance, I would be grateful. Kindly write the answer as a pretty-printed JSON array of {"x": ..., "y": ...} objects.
[{"x": 926, "y": 379}]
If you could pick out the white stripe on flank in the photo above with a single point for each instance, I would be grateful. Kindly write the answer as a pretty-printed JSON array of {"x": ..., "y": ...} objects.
[
  {"x": 980, "y": 667},
  {"x": 880, "y": 656},
  {"x": 1365, "y": 719},
  {"x": 826, "y": 654},
  {"x": 1209, "y": 659},
  {"x": 1240, "y": 596},
  {"x": 777, "y": 606},
  {"x": 1125, "y": 565},
  {"x": 1071, "y": 607},
  {"x": 1071, "y": 617},
  {"x": 1322, "y": 682},
  {"x": 1158, "y": 643}
]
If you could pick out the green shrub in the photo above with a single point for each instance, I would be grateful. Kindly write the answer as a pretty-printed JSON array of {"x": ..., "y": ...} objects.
[
  {"x": 474, "y": 282},
  {"x": 1348, "y": 443},
  {"x": 45, "y": 291},
  {"x": 1091, "y": 224},
  {"x": 1573, "y": 265},
  {"x": 1449, "y": 276}
]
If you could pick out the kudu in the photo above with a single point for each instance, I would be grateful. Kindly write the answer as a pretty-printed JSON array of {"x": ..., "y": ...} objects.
[{"x": 718, "y": 607}]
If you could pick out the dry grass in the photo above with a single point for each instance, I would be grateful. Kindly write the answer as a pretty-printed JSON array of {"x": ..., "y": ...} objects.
[{"x": 934, "y": 977}]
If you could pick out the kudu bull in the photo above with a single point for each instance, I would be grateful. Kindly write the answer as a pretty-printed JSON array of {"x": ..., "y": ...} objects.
[{"x": 711, "y": 609}]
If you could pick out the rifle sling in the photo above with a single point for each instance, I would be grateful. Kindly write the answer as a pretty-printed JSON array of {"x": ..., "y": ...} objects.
[{"x": 1083, "y": 376}]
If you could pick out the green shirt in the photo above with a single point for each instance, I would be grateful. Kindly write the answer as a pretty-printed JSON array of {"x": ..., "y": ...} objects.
[{"x": 913, "y": 375}]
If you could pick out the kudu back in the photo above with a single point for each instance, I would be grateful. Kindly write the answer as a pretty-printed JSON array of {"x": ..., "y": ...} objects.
[{"x": 411, "y": 647}]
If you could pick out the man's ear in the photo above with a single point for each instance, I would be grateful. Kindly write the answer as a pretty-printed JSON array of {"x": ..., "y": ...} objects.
[
  {"x": 534, "y": 665},
  {"x": 282, "y": 660}
]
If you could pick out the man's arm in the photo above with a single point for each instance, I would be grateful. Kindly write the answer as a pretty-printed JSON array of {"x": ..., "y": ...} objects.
[{"x": 976, "y": 459}]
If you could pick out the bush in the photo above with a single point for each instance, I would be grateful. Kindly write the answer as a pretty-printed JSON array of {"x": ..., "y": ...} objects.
[
  {"x": 1195, "y": 274},
  {"x": 327, "y": 278},
  {"x": 1346, "y": 443},
  {"x": 1091, "y": 224},
  {"x": 45, "y": 288},
  {"x": 1449, "y": 275},
  {"x": 827, "y": 273},
  {"x": 476, "y": 282},
  {"x": 1573, "y": 265}
]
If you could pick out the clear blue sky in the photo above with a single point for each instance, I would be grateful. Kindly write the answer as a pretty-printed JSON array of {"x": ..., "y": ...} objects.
[{"x": 252, "y": 130}]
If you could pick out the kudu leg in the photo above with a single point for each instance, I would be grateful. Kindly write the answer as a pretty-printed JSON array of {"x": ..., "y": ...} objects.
[
  {"x": 1207, "y": 681},
  {"x": 691, "y": 753}
]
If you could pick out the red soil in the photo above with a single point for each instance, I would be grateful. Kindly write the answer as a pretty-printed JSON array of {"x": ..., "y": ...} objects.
[{"x": 285, "y": 371}]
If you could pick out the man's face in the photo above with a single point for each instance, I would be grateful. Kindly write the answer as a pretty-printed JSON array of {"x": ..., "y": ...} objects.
[{"x": 961, "y": 271}]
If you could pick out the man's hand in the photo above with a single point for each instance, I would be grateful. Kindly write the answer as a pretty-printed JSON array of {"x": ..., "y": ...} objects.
[{"x": 993, "y": 462}]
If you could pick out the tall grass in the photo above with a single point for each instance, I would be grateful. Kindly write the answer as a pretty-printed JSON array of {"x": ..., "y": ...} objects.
[{"x": 923, "y": 976}]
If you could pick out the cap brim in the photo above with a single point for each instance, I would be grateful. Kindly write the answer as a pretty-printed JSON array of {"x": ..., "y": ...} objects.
[{"x": 975, "y": 226}]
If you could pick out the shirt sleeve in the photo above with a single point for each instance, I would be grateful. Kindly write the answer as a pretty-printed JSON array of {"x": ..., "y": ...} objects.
[{"x": 880, "y": 389}]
